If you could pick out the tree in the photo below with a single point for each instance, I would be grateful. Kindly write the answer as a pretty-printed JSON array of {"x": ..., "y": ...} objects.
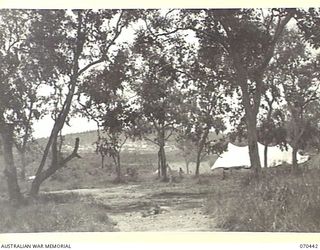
[
  {"x": 271, "y": 129},
  {"x": 205, "y": 104},
  {"x": 196, "y": 142},
  {"x": 300, "y": 93},
  {"x": 248, "y": 37},
  {"x": 186, "y": 146},
  {"x": 32, "y": 109},
  {"x": 158, "y": 98},
  {"x": 106, "y": 103},
  {"x": 68, "y": 44},
  {"x": 300, "y": 82},
  {"x": 155, "y": 82},
  {"x": 13, "y": 91}
]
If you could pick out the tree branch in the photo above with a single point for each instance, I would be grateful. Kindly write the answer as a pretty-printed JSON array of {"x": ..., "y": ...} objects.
[
  {"x": 118, "y": 30},
  {"x": 269, "y": 54},
  {"x": 74, "y": 154},
  {"x": 150, "y": 140}
]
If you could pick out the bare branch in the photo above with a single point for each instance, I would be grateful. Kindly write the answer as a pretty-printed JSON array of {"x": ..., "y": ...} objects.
[
  {"x": 169, "y": 135},
  {"x": 72, "y": 155},
  {"x": 150, "y": 140}
]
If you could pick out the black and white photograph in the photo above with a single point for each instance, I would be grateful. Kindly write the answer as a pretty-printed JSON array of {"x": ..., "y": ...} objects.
[{"x": 160, "y": 120}]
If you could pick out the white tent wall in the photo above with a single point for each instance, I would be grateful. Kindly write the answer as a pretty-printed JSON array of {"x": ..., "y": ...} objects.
[
  {"x": 234, "y": 157},
  {"x": 239, "y": 156}
]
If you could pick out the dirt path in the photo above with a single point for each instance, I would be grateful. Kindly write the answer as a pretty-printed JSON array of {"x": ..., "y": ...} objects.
[{"x": 149, "y": 208}]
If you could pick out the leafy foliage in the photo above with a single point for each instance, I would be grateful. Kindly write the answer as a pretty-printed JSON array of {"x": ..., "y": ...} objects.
[{"x": 300, "y": 88}]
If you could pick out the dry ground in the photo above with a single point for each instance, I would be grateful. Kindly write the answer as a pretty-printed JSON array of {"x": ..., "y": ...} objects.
[{"x": 151, "y": 206}]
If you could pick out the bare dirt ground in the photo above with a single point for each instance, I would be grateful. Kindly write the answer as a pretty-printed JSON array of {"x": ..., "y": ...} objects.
[{"x": 151, "y": 207}]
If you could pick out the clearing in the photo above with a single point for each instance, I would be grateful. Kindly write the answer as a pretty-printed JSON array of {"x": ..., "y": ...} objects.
[{"x": 151, "y": 206}]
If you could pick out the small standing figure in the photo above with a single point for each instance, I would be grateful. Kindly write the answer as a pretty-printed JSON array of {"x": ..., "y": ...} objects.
[{"x": 181, "y": 173}]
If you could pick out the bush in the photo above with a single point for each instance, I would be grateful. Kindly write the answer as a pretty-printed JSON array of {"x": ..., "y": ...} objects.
[
  {"x": 277, "y": 202},
  {"x": 53, "y": 217}
]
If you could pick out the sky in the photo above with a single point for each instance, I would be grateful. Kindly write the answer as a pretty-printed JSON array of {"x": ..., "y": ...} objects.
[{"x": 43, "y": 127}]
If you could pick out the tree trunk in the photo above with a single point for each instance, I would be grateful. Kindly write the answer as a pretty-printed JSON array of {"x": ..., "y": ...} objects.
[
  {"x": 118, "y": 168},
  {"x": 39, "y": 179},
  {"x": 102, "y": 161},
  {"x": 57, "y": 127},
  {"x": 35, "y": 187},
  {"x": 187, "y": 166},
  {"x": 200, "y": 149},
  {"x": 294, "y": 159},
  {"x": 198, "y": 164},
  {"x": 251, "y": 106},
  {"x": 36, "y": 183},
  {"x": 266, "y": 156},
  {"x": 163, "y": 164},
  {"x": 45, "y": 174},
  {"x": 270, "y": 102},
  {"x": 23, "y": 165},
  {"x": 253, "y": 151},
  {"x": 10, "y": 170},
  {"x": 251, "y": 120},
  {"x": 64, "y": 112},
  {"x": 159, "y": 164},
  {"x": 162, "y": 155}
]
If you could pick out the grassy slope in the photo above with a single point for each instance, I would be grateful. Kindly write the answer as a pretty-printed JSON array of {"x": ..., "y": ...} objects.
[
  {"x": 278, "y": 202},
  {"x": 87, "y": 172}
]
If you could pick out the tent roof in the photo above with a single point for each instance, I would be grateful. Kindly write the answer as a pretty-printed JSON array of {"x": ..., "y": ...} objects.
[{"x": 236, "y": 156}]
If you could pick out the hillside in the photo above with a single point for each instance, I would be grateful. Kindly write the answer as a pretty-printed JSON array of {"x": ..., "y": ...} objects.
[{"x": 88, "y": 139}]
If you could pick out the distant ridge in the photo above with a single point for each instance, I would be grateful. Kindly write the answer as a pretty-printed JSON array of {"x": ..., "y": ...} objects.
[{"x": 88, "y": 139}]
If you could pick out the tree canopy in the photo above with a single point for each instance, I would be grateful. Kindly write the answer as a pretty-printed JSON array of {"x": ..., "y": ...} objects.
[{"x": 190, "y": 72}]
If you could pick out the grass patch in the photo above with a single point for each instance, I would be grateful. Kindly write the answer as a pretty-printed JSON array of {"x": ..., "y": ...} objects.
[
  {"x": 54, "y": 217},
  {"x": 278, "y": 202}
]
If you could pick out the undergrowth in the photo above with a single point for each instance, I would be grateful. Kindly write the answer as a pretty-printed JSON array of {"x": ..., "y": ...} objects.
[
  {"x": 277, "y": 202},
  {"x": 46, "y": 216}
]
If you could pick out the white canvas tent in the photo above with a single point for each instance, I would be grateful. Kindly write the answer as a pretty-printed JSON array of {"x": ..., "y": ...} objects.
[{"x": 239, "y": 157}]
